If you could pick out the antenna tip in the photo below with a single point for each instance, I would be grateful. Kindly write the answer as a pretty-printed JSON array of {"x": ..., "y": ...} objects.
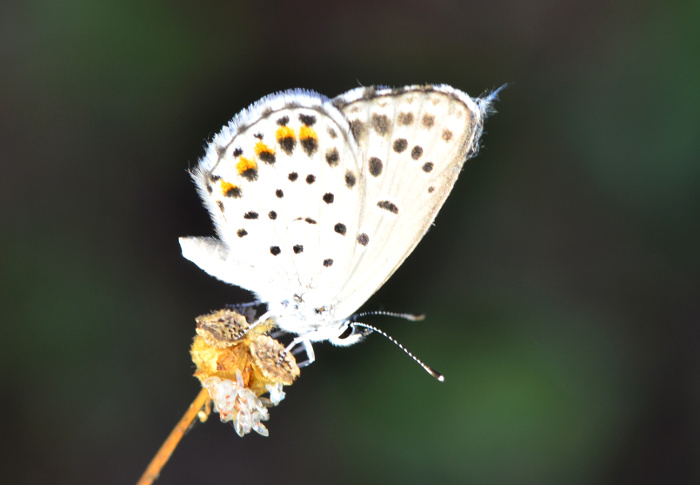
[{"x": 434, "y": 373}]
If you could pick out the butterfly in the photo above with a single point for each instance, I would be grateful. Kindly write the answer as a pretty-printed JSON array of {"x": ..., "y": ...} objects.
[{"x": 316, "y": 202}]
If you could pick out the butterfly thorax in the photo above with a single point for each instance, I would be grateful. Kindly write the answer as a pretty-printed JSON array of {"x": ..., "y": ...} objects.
[{"x": 296, "y": 316}]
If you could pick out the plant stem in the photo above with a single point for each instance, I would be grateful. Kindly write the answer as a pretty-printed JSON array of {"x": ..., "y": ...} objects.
[{"x": 161, "y": 458}]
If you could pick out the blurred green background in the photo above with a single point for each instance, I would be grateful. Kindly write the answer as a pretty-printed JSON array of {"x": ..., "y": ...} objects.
[{"x": 561, "y": 281}]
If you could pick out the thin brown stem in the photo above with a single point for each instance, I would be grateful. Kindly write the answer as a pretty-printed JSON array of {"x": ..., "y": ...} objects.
[{"x": 161, "y": 458}]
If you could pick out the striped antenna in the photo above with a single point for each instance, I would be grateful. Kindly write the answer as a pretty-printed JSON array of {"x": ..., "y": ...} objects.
[{"x": 425, "y": 366}]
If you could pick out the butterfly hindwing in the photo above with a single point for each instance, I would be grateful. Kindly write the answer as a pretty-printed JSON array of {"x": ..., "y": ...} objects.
[{"x": 275, "y": 183}]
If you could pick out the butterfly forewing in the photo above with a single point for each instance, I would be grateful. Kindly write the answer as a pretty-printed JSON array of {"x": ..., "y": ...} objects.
[{"x": 413, "y": 143}]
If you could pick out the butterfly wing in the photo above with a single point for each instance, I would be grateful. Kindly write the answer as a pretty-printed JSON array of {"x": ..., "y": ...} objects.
[
  {"x": 316, "y": 202},
  {"x": 279, "y": 183},
  {"x": 413, "y": 142}
]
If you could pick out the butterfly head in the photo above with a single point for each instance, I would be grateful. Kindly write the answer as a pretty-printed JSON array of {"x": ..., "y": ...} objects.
[{"x": 349, "y": 334}]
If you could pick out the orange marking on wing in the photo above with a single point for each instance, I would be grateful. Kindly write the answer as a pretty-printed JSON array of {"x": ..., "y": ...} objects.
[
  {"x": 260, "y": 147},
  {"x": 307, "y": 132},
  {"x": 245, "y": 164},
  {"x": 284, "y": 132},
  {"x": 229, "y": 189}
]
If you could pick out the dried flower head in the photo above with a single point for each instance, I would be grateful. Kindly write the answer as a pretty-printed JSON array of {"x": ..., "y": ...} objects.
[{"x": 237, "y": 363}]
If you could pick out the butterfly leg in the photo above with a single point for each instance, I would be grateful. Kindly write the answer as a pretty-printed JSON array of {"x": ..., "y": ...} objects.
[
  {"x": 248, "y": 310},
  {"x": 300, "y": 344},
  {"x": 237, "y": 306}
]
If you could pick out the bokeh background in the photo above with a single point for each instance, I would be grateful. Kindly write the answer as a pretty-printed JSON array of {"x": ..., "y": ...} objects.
[{"x": 561, "y": 281}]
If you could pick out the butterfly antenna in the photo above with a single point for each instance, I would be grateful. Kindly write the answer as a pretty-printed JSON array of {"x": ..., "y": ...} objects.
[
  {"x": 406, "y": 316},
  {"x": 425, "y": 366}
]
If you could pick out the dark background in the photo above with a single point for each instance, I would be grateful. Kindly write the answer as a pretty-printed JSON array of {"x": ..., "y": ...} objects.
[{"x": 560, "y": 281}]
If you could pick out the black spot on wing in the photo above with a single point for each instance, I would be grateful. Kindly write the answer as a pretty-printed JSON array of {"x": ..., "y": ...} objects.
[
  {"x": 309, "y": 144},
  {"x": 250, "y": 174},
  {"x": 287, "y": 144},
  {"x": 416, "y": 152},
  {"x": 350, "y": 179},
  {"x": 233, "y": 192},
  {"x": 405, "y": 119},
  {"x": 381, "y": 124},
  {"x": 400, "y": 145},
  {"x": 389, "y": 206},
  {"x": 375, "y": 166},
  {"x": 308, "y": 120},
  {"x": 332, "y": 157},
  {"x": 267, "y": 157}
]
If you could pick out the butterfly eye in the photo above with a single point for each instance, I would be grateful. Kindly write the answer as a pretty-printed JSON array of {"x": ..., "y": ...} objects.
[
  {"x": 350, "y": 335},
  {"x": 349, "y": 330}
]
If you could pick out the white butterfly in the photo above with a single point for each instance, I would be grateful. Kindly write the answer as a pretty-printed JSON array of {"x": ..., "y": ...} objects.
[{"x": 316, "y": 202}]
